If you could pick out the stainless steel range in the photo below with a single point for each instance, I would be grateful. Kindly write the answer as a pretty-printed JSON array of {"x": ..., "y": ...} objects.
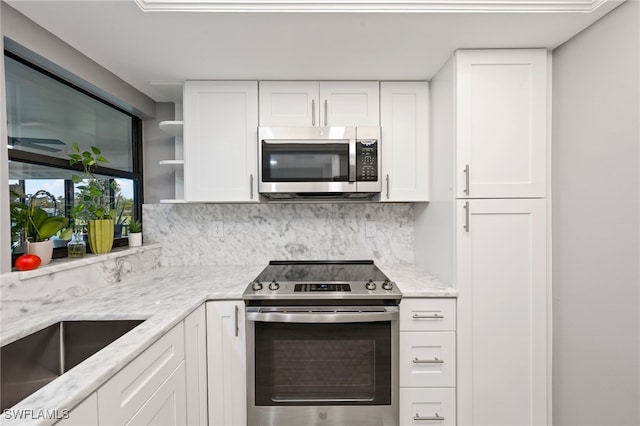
[{"x": 322, "y": 345}]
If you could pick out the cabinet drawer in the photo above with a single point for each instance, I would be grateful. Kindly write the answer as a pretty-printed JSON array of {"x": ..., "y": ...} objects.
[
  {"x": 427, "y": 359},
  {"x": 428, "y": 315},
  {"x": 425, "y": 406},
  {"x": 125, "y": 393}
]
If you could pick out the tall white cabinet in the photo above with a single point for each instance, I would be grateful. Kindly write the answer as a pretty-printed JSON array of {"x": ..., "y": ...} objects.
[
  {"x": 486, "y": 230},
  {"x": 220, "y": 133}
]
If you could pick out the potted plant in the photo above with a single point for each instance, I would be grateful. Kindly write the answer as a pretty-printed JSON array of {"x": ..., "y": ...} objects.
[
  {"x": 95, "y": 198},
  {"x": 135, "y": 233},
  {"x": 40, "y": 227}
]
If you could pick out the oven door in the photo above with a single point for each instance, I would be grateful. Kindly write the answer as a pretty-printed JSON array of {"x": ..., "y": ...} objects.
[
  {"x": 322, "y": 365},
  {"x": 307, "y": 160}
]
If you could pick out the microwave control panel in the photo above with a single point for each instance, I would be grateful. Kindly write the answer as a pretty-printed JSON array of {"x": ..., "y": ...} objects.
[{"x": 367, "y": 160}]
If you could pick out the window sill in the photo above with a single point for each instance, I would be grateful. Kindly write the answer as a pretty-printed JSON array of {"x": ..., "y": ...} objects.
[{"x": 63, "y": 264}]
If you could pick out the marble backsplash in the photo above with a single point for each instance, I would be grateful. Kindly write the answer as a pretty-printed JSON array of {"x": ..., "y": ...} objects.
[
  {"x": 257, "y": 233},
  {"x": 64, "y": 279}
]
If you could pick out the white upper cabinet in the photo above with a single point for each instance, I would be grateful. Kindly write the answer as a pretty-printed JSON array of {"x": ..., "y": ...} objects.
[
  {"x": 501, "y": 123},
  {"x": 325, "y": 103},
  {"x": 220, "y": 134},
  {"x": 404, "y": 117}
]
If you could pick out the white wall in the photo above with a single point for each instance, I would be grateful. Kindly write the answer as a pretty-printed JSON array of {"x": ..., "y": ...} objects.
[
  {"x": 66, "y": 61},
  {"x": 596, "y": 213},
  {"x": 33, "y": 42}
]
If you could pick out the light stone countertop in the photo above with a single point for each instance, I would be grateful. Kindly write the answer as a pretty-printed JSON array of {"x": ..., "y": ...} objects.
[{"x": 163, "y": 297}]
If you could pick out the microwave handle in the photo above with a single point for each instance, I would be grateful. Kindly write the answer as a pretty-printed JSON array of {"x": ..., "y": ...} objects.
[{"x": 352, "y": 160}]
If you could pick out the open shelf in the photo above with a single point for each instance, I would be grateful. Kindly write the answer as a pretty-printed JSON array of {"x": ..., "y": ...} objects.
[
  {"x": 171, "y": 162},
  {"x": 172, "y": 127}
]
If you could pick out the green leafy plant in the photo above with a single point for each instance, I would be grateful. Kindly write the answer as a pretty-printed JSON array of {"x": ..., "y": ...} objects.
[
  {"x": 19, "y": 213},
  {"x": 39, "y": 225},
  {"x": 94, "y": 192},
  {"x": 135, "y": 226}
]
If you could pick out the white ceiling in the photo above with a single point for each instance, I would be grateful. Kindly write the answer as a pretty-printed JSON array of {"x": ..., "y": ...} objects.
[{"x": 149, "y": 49}]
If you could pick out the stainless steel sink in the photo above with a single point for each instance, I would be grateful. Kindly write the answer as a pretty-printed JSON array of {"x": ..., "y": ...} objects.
[{"x": 35, "y": 360}]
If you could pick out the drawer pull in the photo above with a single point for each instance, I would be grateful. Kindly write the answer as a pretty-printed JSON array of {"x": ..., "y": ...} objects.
[
  {"x": 433, "y": 418},
  {"x": 435, "y": 360},
  {"x": 432, "y": 316}
]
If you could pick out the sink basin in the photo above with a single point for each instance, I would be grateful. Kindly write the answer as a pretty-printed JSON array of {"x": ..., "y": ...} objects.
[{"x": 37, "y": 359}]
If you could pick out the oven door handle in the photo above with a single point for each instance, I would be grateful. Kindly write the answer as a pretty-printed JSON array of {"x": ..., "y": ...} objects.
[{"x": 321, "y": 317}]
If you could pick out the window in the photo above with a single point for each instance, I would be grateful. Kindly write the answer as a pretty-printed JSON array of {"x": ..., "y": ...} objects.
[{"x": 46, "y": 115}]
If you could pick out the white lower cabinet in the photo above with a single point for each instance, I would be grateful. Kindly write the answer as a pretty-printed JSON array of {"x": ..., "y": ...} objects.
[
  {"x": 150, "y": 389},
  {"x": 504, "y": 317},
  {"x": 164, "y": 385},
  {"x": 226, "y": 363},
  {"x": 83, "y": 414},
  {"x": 167, "y": 406},
  {"x": 427, "y": 406},
  {"x": 427, "y": 361},
  {"x": 195, "y": 353}
]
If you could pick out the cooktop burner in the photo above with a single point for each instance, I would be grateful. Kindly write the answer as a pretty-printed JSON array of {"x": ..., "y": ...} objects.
[{"x": 322, "y": 280}]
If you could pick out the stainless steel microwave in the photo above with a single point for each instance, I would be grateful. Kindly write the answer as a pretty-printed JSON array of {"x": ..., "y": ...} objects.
[{"x": 319, "y": 162}]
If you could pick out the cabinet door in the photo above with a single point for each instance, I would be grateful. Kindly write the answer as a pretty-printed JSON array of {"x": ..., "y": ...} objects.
[
  {"x": 132, "y": 387},
  {"x": 427, "y": 359},
  {"x": 83, "y": 414},
  {"x": 167, "y": 406},
  {"x": 289, "y": 103},
  {"x": 350, "y": 103},
  {"x": 430, "y": 314},
  {"x": 227, "y": 364},
  {"x": 428, "y": 406},
  {"x": 220, "y": 141},
  {"x": 404, "y": 117},
  {"x": 195, "y": 354},
  {"x": 501, "y": 123},
  {"x": 503, "y": 316}
]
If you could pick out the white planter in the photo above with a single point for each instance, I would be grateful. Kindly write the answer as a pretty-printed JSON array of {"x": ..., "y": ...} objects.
[
  {"x": 42, "y": 249},
  {"x": 135, "y": 240}
]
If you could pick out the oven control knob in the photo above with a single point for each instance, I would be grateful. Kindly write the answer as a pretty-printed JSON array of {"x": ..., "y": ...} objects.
[
  {"x": 256, "y": 286},
  {"x": 370, "y": 285},
  {"x": 273, "y": 285},
  {"x": 387, "y": 285}
]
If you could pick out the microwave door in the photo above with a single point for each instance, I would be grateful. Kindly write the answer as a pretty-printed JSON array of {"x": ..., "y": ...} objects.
[{"x": 307, "y": 165}]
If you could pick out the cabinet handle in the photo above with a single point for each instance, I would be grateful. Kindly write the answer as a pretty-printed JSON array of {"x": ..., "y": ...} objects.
[
  {"x": 434, "y": 316},
  {"x": 387, "y": 187},
  {"x": 436, "y": 417},
  {"x": 313, "y": 112},
  {"x": 326, "y": 111},
  {"x": 435, "y": 360},
  {"x": 466, "y": 179},
  {"x": 251, "y": 186},
  {"x": 237, "y": 325},
  {"x": 466, "y": 216}
]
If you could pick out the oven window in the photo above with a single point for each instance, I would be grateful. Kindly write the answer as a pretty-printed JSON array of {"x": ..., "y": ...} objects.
[
  {"x": 323, "y": 364},
  {"x": 305, "y": 162}
]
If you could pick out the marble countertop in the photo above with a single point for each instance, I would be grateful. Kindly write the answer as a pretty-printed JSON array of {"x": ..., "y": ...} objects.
[{"x": 163, "y": 297}]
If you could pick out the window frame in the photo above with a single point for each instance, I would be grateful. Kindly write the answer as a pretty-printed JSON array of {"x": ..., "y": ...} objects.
[{"x": 45, "y": 160}]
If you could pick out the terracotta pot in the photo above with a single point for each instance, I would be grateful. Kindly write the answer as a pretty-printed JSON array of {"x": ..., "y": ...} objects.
[
  {"x": 42, "y": 249},
  {"x": 101, "y": 235},
  {"x": 135, "y": 239}
]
